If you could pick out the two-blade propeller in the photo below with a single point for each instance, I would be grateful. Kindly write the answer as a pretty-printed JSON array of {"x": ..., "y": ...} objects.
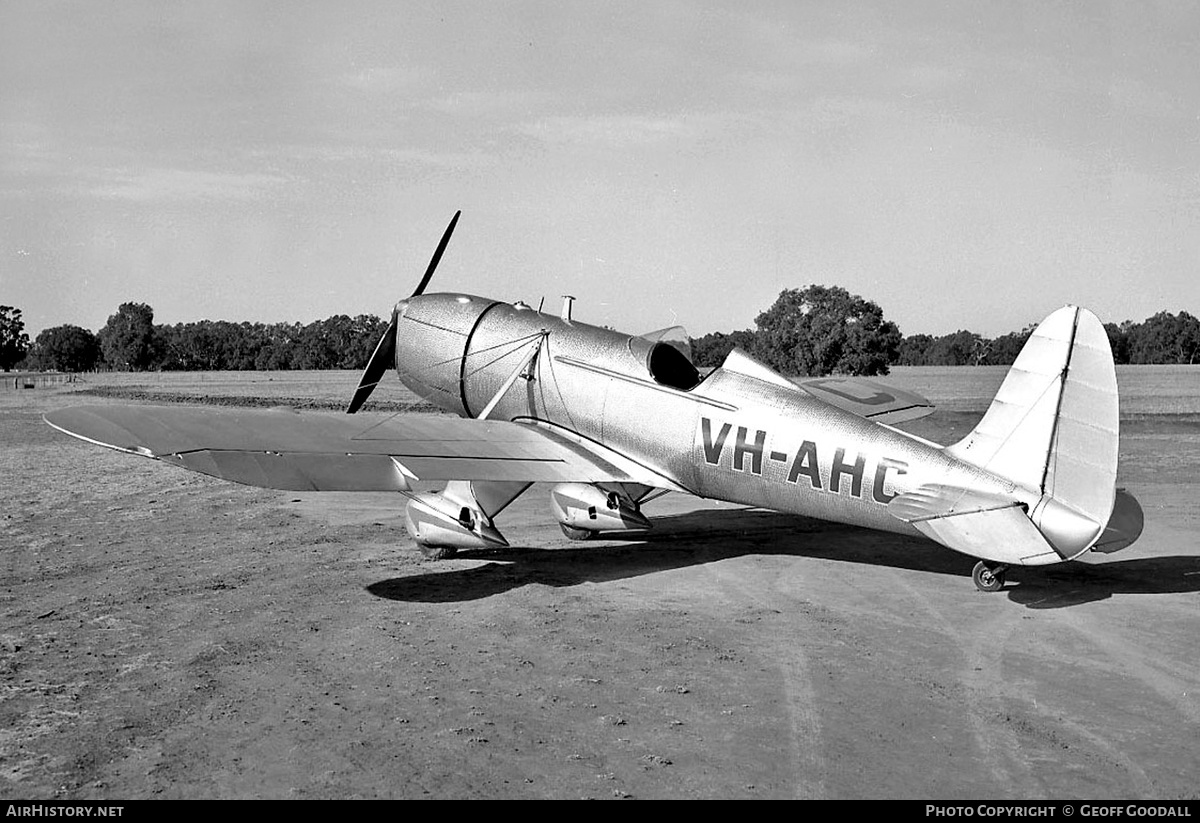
[{"x": 385, "y": 351}]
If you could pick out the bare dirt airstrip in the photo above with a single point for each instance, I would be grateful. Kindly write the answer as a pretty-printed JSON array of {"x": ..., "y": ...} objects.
[{"x": 163, "y": 634}]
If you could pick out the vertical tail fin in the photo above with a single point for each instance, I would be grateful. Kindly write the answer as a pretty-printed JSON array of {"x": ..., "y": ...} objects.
[{"x": 1053, "y": 428}]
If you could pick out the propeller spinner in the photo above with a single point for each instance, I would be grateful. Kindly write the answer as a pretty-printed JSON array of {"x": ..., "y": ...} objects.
[{"x": 385, "y": 350}]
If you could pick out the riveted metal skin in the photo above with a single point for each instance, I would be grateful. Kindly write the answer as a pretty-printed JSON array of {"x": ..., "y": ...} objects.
[
  {"x": 587, "y": 380},
  {"x": 785, "y": 450},
  {"x": 794, "y": 453}
]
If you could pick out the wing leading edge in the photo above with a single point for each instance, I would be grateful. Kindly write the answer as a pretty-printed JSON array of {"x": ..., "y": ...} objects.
[{"x": 319, "y": 452}]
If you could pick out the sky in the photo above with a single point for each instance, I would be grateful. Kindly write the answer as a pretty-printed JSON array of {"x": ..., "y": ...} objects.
[{"x": 965, "y": 165}]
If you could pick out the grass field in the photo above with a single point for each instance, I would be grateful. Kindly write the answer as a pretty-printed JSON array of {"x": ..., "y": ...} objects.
[
  {"x": 1145, "y": 390},
  {"x": 299, "y": 389}
]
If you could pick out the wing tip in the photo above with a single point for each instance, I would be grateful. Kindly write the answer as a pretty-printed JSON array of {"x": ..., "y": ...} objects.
[{"x": 78, "y": 433}]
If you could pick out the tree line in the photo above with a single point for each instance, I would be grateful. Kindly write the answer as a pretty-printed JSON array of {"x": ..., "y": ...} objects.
[
  {"x": 814, "y": 331},
  {"x": 131, "y": 341},
  {"x": 818, "y": 331},
  {"x": 1163, "y": 338}
]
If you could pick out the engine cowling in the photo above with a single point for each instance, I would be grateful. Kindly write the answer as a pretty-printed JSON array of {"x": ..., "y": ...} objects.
[{"x": 434, "y": 331}]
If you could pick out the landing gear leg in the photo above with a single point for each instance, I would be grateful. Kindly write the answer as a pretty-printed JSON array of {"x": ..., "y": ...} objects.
[{"x": 988, "y": 577}]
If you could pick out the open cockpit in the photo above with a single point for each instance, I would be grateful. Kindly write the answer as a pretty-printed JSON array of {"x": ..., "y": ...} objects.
[{"x": 667, "y": 354}]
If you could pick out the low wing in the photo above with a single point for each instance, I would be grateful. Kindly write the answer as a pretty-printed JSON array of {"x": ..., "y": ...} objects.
[
  {"x": 324, "y": 452},
  {"x": 878, "y": 402}
]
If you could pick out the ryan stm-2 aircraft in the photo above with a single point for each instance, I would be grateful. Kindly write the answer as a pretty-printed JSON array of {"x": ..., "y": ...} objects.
[{"x": 614, "y": 420}]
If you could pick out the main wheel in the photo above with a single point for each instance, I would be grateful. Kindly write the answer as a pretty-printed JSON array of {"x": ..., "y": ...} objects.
[
  {"x": 988, "y": 577},
  {"x": 437, "y": 552},
  {"x": 576, "y": 534}
]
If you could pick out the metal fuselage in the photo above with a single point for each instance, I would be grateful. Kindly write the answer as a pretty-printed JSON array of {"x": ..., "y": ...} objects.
[{"x": 731, "y": 436}]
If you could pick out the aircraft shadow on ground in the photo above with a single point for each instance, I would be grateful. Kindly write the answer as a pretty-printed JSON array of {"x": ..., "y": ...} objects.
[{"x": 708, "y": 536}]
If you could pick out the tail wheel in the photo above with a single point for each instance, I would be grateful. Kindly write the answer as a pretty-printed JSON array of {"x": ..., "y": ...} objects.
[{"x": 988, "y": 577}]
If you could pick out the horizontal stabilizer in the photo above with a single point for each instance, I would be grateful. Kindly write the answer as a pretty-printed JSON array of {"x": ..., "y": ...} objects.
[
  {"x": 877, "y": 402},
  {"x": 935, "y": 500},
  {"x": 872, "y": 400},
  {"x": 992, "y": 526}
]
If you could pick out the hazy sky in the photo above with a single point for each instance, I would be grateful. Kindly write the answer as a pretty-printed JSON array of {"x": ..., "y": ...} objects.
[{"x": 963, "y": 164}]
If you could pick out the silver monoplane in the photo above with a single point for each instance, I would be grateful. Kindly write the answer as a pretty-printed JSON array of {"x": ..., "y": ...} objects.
[{"x": 613, "y": 420}]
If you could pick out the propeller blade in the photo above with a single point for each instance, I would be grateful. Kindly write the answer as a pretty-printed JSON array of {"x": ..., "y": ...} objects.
[
  {"x": 382, "y": 358},
  {"x": 437, "y": 256},
  {"x": 385, "y": 351}
]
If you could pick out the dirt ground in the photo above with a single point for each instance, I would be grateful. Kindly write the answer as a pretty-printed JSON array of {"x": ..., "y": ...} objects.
[{"x": 168, "y": 635}]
